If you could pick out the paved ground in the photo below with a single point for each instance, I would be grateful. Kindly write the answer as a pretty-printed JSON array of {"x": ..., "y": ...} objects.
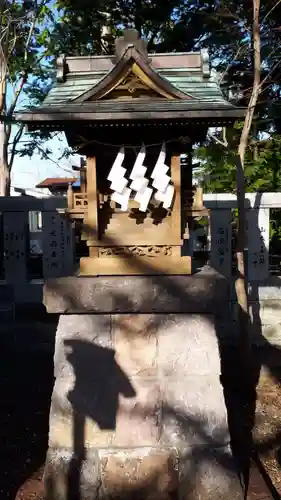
[{"x": 26, "y": 379}]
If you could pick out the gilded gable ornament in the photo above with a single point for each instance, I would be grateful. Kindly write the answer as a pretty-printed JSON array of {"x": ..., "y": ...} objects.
[{"x": 131, "y": 83}]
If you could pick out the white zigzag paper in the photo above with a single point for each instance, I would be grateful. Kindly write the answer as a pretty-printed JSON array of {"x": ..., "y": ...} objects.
[
  {"x": 161, "y": 181},
  {"x": 140, "y": 182},
  {"x": 166, "y": 197},
  {"x": 119, "y": 182},
  {"x": 122, "y": 198},
  {"x": 139, "y": 170}
]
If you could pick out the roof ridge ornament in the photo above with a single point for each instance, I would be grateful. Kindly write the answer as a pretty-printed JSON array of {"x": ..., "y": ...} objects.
[
  {"x": 62, "y": 68},
  {"x": 205, "y": 61},
  {"x": 130, "y": 38}
]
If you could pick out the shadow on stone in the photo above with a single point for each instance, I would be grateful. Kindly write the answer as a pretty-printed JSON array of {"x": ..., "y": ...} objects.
[{"x": 98, "y": 375}]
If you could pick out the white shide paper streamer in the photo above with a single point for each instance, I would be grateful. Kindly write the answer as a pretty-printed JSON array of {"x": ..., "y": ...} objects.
[
  {"x": 161, "y": 181},
  {"x": 140, "y": 182},
  {"x": 121, "y": 193}
]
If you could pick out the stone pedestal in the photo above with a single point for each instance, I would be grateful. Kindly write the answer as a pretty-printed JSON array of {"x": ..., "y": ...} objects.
[{"x": 137, "y": 409}]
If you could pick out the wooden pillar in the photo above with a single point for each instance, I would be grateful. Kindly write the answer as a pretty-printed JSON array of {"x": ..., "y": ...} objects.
[
  {"x": 69, "y": 197},
  {"x": 176, "y": 212},
  {"x": 188, "y": 201},
  {"x": 91, "y": 221},
  {"x": 83, "y": 180}
]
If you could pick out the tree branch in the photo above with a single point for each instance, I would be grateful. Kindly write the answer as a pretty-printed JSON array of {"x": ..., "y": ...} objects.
[
  {"x": 24, "y": 76},
  {"x": 14, "y": 145},
  {"x": 3, "y": 62},
  {"x": 239, "y": 50},
  {"x": 224, "y": 142},
  {"x": 256, "y": 85},
  {"x": 154, "y": 34},
  {"x": 270, "y": 11},
  {"x": 47, "y": 157}
]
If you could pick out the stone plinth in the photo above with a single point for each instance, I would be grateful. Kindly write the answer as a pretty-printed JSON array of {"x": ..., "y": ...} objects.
[
  {"x": 203, "y": 292},
  {"x": 138, "y": 410}
]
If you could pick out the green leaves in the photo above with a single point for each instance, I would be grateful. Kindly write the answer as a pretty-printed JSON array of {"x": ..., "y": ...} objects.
[
  {"x": 262, "y": 165},
  {"x": 25, "y": 35}
]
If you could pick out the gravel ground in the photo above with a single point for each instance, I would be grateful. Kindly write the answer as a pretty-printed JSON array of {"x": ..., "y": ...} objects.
[
  {"x": 268, "y": 428},
  {"x": 26, "y": 380}
]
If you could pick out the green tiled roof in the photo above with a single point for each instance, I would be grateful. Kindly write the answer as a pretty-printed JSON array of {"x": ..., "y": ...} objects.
[
  {"x": 192, "y": 81},
  {"x": 73, "y": 87}
]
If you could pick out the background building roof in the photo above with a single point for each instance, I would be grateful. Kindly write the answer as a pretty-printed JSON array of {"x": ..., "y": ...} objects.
[{"x": 56, "y": 182}]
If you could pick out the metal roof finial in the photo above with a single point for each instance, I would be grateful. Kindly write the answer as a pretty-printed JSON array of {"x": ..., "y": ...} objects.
[{"x": 130, "y": 38}]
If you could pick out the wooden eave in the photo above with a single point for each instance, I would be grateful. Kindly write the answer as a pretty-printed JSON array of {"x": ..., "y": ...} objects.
[
  {"x": 132, "y": 61},
  {"x": 105, "y": 112}
]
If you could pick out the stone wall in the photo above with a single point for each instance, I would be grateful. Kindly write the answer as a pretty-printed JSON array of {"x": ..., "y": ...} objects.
[
  {"x": 138, "y": 408},
  {"x": 265, "y": 311}
]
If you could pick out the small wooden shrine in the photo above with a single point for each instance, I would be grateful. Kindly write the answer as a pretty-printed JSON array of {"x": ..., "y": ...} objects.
[{"x": 133, "y": 115}]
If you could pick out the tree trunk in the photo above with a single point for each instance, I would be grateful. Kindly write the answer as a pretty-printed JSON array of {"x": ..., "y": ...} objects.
[
  {"x": 241, "y": 285},
  {"x": 5, "y": 183},
  {"x": 4, "y": 162},
  {"x": 5, "y": 174}
]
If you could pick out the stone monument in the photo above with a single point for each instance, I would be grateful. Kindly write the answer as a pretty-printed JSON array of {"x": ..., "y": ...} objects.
[{"x": 137, "y": 410}]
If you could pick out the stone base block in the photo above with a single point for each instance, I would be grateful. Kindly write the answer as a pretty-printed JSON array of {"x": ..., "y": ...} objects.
[
  {"x": 141, "y": 474},
  {"x": 70, "y": 477},
  {"x": 138, "y": 408}
]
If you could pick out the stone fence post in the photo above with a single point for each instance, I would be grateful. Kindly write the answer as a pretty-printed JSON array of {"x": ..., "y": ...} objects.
[
  {"x": 16, "y": 246},
  {"x": 221, "y": 250},
  {"x": 257, "y": 226},
  {"x": 58, "y": 245}
]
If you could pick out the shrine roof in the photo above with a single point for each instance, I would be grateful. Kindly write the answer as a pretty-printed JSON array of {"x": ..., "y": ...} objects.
[
  {"x": 133, "y": 85},
  {"x": 188, "y": 72}
]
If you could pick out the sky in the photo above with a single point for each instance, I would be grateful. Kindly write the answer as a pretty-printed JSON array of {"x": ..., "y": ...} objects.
[{"x": 28, "y": 172}]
